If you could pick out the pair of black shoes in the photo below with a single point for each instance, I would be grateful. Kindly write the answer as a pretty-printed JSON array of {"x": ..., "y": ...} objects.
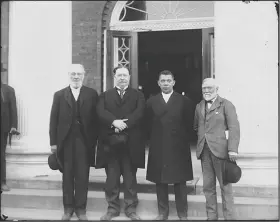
[
  {"x": 109, "y": 215},
  {"x": 165, "y": 217},
  {"x": 69, "y": 213}
]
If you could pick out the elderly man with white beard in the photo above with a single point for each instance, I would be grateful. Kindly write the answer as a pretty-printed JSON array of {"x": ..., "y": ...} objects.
[
  {"x": 215, "y": 117},
  {"x": 73, "y": 135}
]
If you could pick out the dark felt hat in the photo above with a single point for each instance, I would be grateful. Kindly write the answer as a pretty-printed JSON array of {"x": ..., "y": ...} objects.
[
  {"x": 54, "y": 163},
  {"x": 231, "y": 173},
  {"x": 2, "y": 68}
]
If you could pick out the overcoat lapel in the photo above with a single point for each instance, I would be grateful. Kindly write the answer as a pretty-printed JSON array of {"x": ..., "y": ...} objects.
[
  {"x": 202, "y": 105},
  {"x": 212, "y": 109},
  {"x": 125, "y": 96},
  {"x": 82, "y": 96},
  {"x": 163, "y": 106},
  {"x": 116, "y": 97},
  {"x": 171, "y": 101},
  {"x": 67, "y": 96}
]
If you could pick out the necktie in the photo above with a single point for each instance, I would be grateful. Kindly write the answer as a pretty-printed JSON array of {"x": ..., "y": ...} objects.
[{"x": 122, "y": 91}]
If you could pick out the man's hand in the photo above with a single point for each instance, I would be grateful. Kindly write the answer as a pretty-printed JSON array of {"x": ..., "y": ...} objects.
[
  {"x": 13, "y": 129},
  {"x": 54, "y": 148},
  {"x": 120, "y": 124},
  {"x": 232, "y": 156}
]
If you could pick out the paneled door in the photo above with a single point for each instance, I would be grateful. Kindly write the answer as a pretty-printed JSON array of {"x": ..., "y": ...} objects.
[
  {"x": 208, "y": 56},
  {"x": 121, "y": 49}
]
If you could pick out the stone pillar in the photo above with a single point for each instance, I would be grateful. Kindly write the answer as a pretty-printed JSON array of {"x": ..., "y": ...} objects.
[
  {"x": 4, "y": 38},
  {"x": 40, "y": 40},
  {"x": 246, "y": 40}
]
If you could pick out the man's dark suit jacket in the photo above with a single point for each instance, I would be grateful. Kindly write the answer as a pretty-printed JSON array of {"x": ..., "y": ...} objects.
[
  {"x": 9, "y": 117},
  {"x": 111, "y": 107},
  {"x": 62, "y": 116},
  {"x": 221, "y": 117}
]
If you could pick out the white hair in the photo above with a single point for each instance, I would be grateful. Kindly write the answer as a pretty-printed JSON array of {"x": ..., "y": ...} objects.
[
  {"x": 76, "y": 68},
  {"x": 210, "y": 81}
]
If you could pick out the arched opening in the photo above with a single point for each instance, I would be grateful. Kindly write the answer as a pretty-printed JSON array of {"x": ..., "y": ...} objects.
[
  {"x": 162, "y": 15},
  {"x": 150, "y": 36}
]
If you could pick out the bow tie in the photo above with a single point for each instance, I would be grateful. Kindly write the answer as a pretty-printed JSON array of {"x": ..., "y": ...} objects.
[{"x": 209, "y": 101}]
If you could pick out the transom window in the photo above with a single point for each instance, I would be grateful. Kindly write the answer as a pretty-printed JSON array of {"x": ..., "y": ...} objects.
[{"x": 161, "y": 10}]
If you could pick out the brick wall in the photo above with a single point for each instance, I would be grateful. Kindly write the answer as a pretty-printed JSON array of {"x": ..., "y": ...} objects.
[
  {"x": 89, "y": 18},
  {"x": 4, "y": 38}
]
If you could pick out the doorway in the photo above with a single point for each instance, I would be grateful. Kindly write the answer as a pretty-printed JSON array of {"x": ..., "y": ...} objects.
[{"x": 177, "y": 51}]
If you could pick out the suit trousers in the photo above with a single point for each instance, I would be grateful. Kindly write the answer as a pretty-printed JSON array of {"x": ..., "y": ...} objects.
[
  {"x": 180, "y": 190},
  {"x": 119, "y": 163},
  {"x": 75, "y": 173},
  {"x": 212, "y": 169},
  {"x": 4, "y": 137}
]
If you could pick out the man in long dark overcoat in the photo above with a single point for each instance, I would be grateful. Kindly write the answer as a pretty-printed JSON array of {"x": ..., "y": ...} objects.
[
  {"x": 169, "y": 123},
  {"x": 73, "y": 134},
  {"x": 9, "y": 122},
  {"x": 121, "y": 109}
]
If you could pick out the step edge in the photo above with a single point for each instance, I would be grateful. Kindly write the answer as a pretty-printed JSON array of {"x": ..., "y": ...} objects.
[
  {"x": 60, "y": 212},
  {"x": 144, "y": 196}
]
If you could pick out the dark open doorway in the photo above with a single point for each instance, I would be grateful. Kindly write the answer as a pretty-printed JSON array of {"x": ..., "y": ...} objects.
[{"x": 177, "y": 51}]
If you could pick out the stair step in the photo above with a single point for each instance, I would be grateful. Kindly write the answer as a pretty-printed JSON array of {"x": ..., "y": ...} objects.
[
  {"x": 39, "y": 214},
  {"x": 95, "y": 184},
  {"x": 246, "y": 207},
  {"x": 195, "y": 186}
]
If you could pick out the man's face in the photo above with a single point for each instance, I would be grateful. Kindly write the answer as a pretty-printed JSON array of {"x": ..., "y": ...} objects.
[
  {"x": 166, "y": 83},
  {"x": 122, "y": 77},
  {"x": 76, "y": 78},
  {"x": 209, "y": 91}
]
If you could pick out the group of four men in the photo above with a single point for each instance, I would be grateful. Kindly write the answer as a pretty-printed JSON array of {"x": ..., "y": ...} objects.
[{"x": 80, "y": 120}]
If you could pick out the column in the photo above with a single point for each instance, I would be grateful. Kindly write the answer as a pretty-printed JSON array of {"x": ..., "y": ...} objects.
[
  {"x": 4, "y": 38},
  {"x": 246, "y": 40},
  {"x": 40, "y": 40}
]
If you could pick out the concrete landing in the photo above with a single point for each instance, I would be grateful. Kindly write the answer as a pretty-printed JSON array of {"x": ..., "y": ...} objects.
[{"x": 245, "y": 208}]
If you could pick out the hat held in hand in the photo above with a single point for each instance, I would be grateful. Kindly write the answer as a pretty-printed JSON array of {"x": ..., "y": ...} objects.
[
  {"x": 231, "y": 172},
  {"x": 54, "y": 163}
]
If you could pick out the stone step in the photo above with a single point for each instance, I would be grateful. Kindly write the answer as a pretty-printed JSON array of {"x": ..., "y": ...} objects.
[
  {"x": 245, "y": 207},
  {"x": 253, "y": 183},
  {"x": 40, "y": 214},
  {"x": 96, "y": 183}
]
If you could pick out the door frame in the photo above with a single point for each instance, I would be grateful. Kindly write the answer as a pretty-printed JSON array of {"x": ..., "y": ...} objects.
[
  {"x": 110, "y": 60},
  {"x": 144, "y": 26}
]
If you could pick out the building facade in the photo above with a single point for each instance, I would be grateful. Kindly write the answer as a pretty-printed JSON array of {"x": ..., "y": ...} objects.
[{"x": 234, "y": 42}]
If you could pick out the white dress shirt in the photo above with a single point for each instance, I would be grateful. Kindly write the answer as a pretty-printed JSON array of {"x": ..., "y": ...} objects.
[
  {"x": 166, "y": 96},
  {"x": 75, "y": 92}
]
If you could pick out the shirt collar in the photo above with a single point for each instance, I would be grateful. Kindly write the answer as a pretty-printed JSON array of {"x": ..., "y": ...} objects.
[
  {"x": 75, "y": 90},
  {"x": 120, "y": 88},
  {"x": 213, "y": 100},
  {"x": 167, "y": 94}
]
